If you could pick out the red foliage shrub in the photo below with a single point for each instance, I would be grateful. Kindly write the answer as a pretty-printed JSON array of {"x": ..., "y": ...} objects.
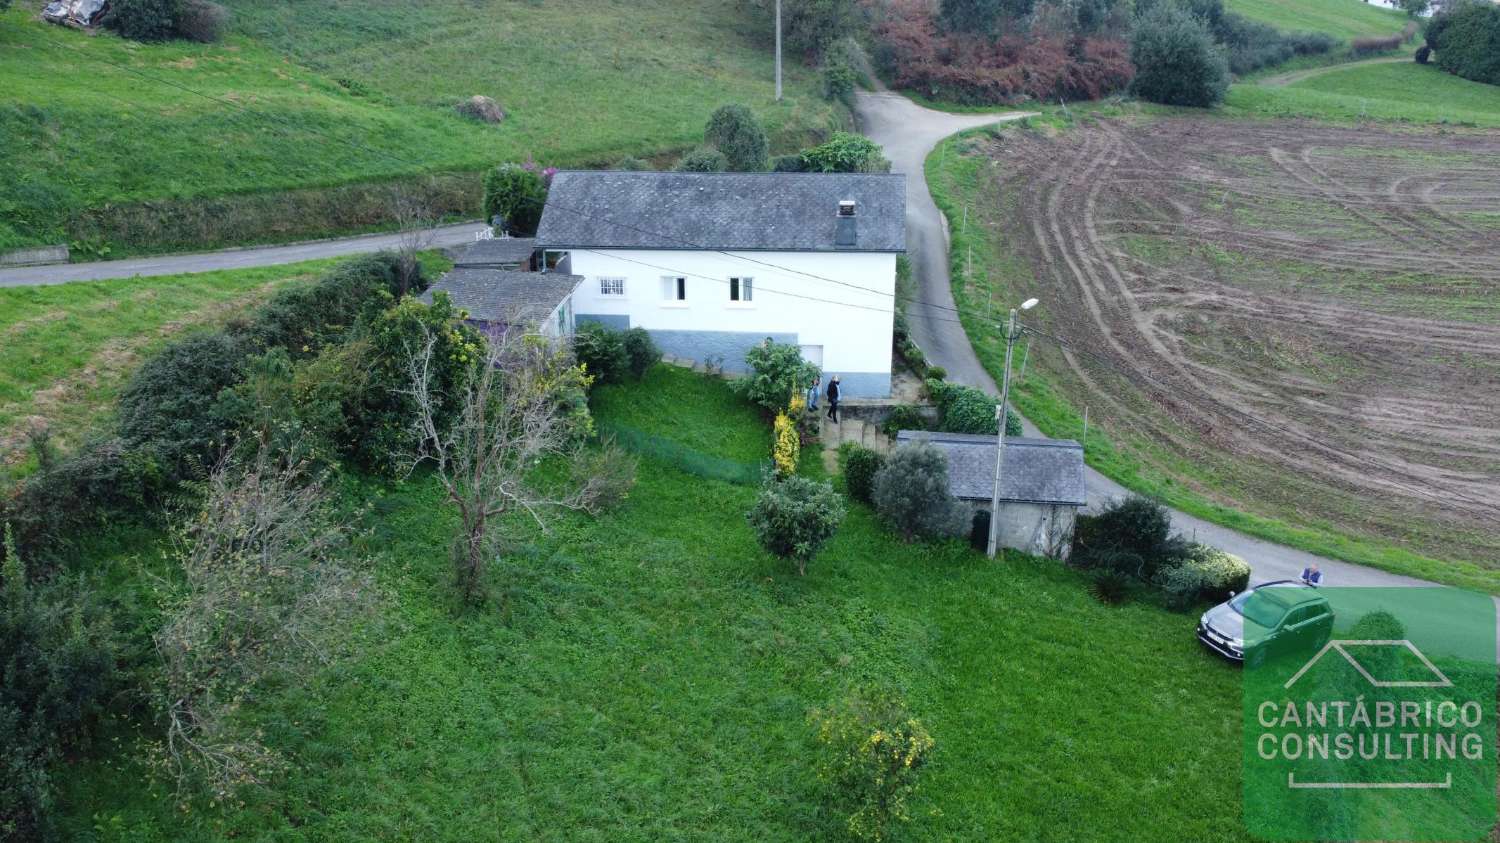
[{"x": 972, "y": 69}]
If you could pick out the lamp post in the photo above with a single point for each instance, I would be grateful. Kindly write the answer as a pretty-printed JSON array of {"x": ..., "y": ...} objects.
[{"x": 1011, "y": 334}]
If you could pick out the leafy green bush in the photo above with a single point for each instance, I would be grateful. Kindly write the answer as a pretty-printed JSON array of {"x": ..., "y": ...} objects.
[
  {"x": 911, "y": 494},
  {"x": 734, "y": 131},
  {"x": 304, "y": 318},
  {"x": 1109, "y": 587},
  {"x": 873, "y": 755},
  {"x": 515, "y": 194},
  {"x": 169, "y": 405},
  {"x": 842, "y": 70},
  {"x": 904, "y": 417},
  {"x": 100, "y": 481},
  {"x": 1176, "y": 60},
  {"x": 640, "y": 351},
  {"x": 861, "y": 464},
  {"x": 602, "y": 353},
  {"x": 143, "y": 20},
  {"x": 383, "y": 410},
  {"x": 1466, "y": 39},
  {"x": 789, "y": 164},
  {"x": 810, "y": 26},
  {"x": 794, "y": 516},
  {"x": 59, "y": 656},
  {"x": 964, "y": 409},
  {"x": 1132, "y": 536},
  {"x": 202, "y": 20},
  {"x": 1203, "y": 574},
  {"x": 846, "y": 152},
  {"x": 777, "y": 373},
  {"x": 704, "y": 159}
]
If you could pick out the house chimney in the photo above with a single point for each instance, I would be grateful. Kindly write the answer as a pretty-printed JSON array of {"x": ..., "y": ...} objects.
[{"x": 844, "y": 233}]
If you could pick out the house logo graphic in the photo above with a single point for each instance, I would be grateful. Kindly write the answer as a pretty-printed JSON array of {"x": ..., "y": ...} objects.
[
  {"x": 1342, "y": 648},
  {"x": 1380, "y": 725}
]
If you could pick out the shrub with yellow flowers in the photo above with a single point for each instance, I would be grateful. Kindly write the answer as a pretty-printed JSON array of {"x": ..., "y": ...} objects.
[
  {"x": 786, "y": 447},
  {"x": 873, "y": 752}
]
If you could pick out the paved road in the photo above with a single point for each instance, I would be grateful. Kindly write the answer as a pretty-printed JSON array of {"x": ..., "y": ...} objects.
[
  {"x": 909, "y": 132},
  {"x": 448, "y": 235}
]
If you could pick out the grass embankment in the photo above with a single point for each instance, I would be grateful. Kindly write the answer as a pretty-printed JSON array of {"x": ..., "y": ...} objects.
[
  {"x": 651, "y": 675},
  {"x": 1055, "y": 402},
  {"x": 67, "y": 350},
  {"x": 105, "y": 152},
  {"x": 1401, "y": 90},
  {"x": 1344, "y": 19}
]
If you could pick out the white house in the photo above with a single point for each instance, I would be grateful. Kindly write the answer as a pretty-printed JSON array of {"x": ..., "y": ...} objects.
[{"x": 713, "y": 263}]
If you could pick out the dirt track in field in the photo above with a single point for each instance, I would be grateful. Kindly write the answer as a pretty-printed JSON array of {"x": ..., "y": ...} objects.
[{"x": 1311, "y": 313}]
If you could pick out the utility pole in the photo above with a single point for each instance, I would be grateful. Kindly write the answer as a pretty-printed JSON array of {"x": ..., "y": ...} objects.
[
  {"x": 778, "y": 50},
  {"x": 993, "y": 545}
]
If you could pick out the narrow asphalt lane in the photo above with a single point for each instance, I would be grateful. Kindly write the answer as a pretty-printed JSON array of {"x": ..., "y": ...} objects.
[
  {"x": 909, "y": 132},
  {"x": 35, "y": 276}
]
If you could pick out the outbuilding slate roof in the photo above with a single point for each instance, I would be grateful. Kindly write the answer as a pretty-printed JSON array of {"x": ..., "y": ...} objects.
[
  {"x": 1048, "y": 471},
  {"x": 497, "y": 252},
  {"x": 503, "y": 295},
  {"x": 791, "y": 212}
]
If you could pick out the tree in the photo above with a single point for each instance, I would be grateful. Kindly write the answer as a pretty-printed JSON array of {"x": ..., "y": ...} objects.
[
  {"x": 1466, "y": 39},
  {"x": 58, "y": 668},
  {"x": 981, "y": 17},
  {"x": 734, "y": 131},
  {"x": 793, "y": 517},
  {"x": 846, "y": 152},
  {"x": 1415, "y": 8},
  {"x": 1176, "y": 60},
  {"x": 809, "y": 26},
  {"x": 1132, "y": 536},
  {"x": 268, "y": 595},
  {"x": 912, "y": 496},
  {"x": 509, "y": 416},
  {"x": 515, "y": 194},
  {"x": 777, "y": 372},
  {"x": 414, "y": 222}
]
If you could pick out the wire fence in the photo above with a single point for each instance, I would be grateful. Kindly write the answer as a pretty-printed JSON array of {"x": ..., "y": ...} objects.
[{"x": 684, "y": 458}]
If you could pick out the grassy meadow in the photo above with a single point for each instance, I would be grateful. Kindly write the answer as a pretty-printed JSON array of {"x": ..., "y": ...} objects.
[
  {"x": 649, "y": 675},
  {"x": 1395, "y": 91},
  {"x": 308, "y": 96},
  {"x": 1344, "y": 19}
]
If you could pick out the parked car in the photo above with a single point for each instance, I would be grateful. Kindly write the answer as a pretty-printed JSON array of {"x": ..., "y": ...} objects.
[{"x": 1286, "y": 615}]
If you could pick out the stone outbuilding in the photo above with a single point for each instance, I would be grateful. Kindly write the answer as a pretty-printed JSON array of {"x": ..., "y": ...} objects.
[{"x": 1041, "y": 485}]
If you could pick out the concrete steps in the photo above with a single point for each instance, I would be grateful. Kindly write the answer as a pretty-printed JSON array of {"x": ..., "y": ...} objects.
[{"x": 852, "y": 430}]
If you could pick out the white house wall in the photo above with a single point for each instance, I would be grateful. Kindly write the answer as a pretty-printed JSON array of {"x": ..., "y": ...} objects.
[{"x": 849, "y": 314}]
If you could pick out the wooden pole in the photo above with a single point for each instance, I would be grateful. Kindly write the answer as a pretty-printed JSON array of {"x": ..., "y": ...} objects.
[
  {"x": 1085, "y": 421},
  {"x": 778, "y": 50}
]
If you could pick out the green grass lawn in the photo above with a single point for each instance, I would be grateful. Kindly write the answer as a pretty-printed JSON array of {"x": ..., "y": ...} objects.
[
  {"x": 1404, "y": 91},
  {"x": 1341, "y": 18},
  {"x": 350, "y": 93},
  {"x": 652, "y": 672},
  {"x": 1160, "y": 470},
  {"x": 68, "y": 349}
]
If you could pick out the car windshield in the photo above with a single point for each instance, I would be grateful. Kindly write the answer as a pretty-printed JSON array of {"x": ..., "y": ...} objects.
[{"x": 1265, "y": 612}]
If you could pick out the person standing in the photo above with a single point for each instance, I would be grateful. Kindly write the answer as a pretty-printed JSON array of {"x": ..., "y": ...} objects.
[
  {"x": 812, "y": 392},
  {"x": 833, "y": 399},
  {"x": 1311, "y": 575}
]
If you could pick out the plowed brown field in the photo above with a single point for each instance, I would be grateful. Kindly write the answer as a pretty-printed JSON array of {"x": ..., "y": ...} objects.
[{"x": 1308, "y": 315}]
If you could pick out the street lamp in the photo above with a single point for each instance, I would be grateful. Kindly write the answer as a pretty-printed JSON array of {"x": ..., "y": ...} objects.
[{"x": 1011, "y": 334}]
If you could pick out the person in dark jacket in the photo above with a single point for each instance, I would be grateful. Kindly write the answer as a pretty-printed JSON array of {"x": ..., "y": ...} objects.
[{"x": 833, "y": 399}]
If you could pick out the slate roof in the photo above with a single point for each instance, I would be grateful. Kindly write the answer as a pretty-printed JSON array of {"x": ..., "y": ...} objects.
[
  {"x": 794, "y": 212},
  {"x": 1036, "y": 470},
  {"x": 503, "y": 295},
  {"x": 497, "y": 252}
]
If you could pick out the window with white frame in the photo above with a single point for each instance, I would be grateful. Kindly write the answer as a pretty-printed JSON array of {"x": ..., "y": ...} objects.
[
  {"x": 611, "y": 286},
  {"x": 741, "y": 289},
  {"x": 674, "y": 288}
]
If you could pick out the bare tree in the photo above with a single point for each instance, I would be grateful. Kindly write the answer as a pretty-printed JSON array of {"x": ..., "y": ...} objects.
[
  {"x": 414, "y": 224},
  {"x": 508, "y": 416},
  {"x": 267, "y": 595}
]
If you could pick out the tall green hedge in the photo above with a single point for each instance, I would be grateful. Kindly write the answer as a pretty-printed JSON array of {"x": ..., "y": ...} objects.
[{"x": 1467, "y": 41}]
